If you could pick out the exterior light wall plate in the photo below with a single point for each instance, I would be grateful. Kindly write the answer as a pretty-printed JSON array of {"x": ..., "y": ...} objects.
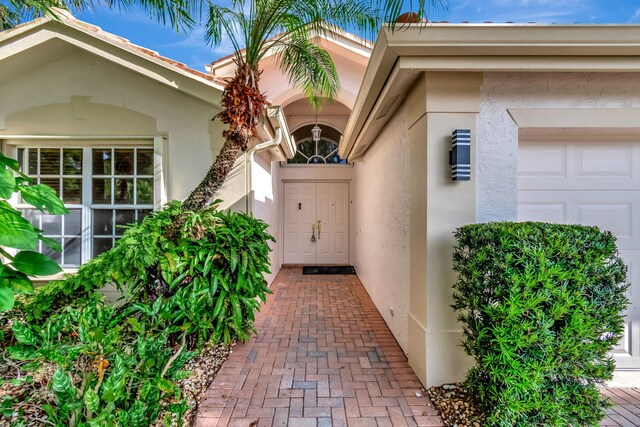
[{"x": 460, "y": 155}]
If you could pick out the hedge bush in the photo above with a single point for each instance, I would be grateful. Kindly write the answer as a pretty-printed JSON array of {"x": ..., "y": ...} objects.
[
  {"x": 541, "y": 307},
  {"x": 119, "y": 365}
]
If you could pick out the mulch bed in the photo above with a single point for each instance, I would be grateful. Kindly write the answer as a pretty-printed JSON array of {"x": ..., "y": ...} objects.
[
  {"x": 456, "y": 406},
  {"x": 31, "y": 395},
  {"x": 204, "y": 368}
]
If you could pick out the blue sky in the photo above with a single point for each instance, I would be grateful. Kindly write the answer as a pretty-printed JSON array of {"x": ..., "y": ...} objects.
[{"x": 192, "y": 50}]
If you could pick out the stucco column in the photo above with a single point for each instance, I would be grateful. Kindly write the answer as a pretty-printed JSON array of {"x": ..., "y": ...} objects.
[{"x": 439, "y": 104}]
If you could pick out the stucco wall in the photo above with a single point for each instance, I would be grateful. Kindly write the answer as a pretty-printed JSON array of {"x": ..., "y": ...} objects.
[
  {"x": 185, "y": 120},
  {"x": 381, "y": 225},
  {"x": 497, "y": 133},
  {"x": 266, "y": 200}
]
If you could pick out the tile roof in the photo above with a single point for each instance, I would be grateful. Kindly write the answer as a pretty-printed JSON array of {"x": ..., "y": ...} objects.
[
  {"x": 66, "y": 18},
  {"x": 140, "y": 49}
]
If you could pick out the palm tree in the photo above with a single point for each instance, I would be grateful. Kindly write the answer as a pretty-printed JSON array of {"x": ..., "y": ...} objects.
[
  {"x": 176, "y": 12},
  {"x": 283, "y": 27}
]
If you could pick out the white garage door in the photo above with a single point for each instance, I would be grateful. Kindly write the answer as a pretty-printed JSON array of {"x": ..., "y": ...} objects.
[{"x": 594, "y": 181}]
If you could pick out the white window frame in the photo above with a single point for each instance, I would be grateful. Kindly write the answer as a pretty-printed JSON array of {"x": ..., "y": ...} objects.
[{"x": 87, "y": 144}]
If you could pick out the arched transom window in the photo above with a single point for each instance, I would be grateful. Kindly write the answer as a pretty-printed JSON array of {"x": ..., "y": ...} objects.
[
  {"x": 324, "y": 151},
  {"x": 317, "y": 152}
]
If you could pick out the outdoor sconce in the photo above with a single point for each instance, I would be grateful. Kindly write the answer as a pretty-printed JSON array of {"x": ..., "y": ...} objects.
[{"x": 460, "y": 155}]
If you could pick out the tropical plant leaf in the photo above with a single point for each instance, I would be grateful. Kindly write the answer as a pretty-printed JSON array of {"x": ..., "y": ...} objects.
[
  {"x": 51, "y": 243},
  {"x": 9, "y": 162},
  {"x": 16, "y": 280},
  {"x": 23, "y": 334},
  {"x": 91, "y": 400},
  {"x": 15, "y": 231},
  {"x": 35, "y": 264},
  {"x": 6, "y": 297},
  {"x": 43, "y": 198},
  {"x": 7, "y": 183},
  {"x": 61, "y": 383}
]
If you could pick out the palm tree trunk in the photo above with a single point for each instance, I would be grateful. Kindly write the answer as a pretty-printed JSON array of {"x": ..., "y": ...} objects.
[
  {"x": 215, "y": 177},
  {"x": 243, "y": 107}
]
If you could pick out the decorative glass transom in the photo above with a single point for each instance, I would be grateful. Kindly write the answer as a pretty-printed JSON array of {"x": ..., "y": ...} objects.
[{"x": 320, "y": 152}]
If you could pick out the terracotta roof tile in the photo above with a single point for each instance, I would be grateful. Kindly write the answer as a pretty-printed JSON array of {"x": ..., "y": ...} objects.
[{"x": 143, "y": 50}]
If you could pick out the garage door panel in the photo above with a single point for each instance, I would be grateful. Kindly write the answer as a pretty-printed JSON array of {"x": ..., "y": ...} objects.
[
  {"x": 591, "y": 183},
  {"x": 543, "y": 212},
  {"x": 579, "y": 166},
  {"x": 603, "y": 161},
  {"x": 542, "y": 160},
  {"x": 610, "y": 216},
  {"x": 610, "y": 210}
]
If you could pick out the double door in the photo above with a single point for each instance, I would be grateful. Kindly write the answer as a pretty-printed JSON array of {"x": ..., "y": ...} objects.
[{"x": 316, "y": 223}]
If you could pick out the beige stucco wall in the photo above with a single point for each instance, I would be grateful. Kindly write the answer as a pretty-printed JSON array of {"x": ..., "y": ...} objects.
[
  {"x": 121, "y": 102},
  {"x": 497, "y": 132},
  {"x": 266, "y": 203},
  {"x": 381, "y": 225}
]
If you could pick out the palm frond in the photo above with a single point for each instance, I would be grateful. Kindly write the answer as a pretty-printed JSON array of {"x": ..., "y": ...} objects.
[
  {"x": 310, "y": 68},
  {"x": 221, "y": 22},
  {"x": 178, "y": 13}
]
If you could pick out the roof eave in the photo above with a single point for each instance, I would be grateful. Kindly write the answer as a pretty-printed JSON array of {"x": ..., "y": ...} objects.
[
  {"x": 483, "y": 47},
  {"x": 92, "y": 41}
]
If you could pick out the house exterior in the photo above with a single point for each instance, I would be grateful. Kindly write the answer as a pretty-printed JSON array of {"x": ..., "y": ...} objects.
[{"x": 553, "y": 113}]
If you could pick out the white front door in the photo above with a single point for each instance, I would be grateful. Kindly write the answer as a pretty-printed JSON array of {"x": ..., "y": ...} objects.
[
  {"x": 593, "y": 182},
  {"x": 316, "y": 223}
]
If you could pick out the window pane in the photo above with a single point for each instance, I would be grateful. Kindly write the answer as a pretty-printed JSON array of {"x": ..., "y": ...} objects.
[
  {"x": 53, "y": 183},
  {"x": 308, "y": 148},
  {"x": 33, "y": 161},
  {"x": 325, "y": 148},
  {"x": 73, "y": 223},
  {"x": 51, "y": 224},
  {"x": 102, "y": 222},
  {"x": 124, "y": 217},
  {"x": 101, "y": 190},
  {"x": 72, "y": 190},
  {"x": 49, "y": 161},
  {"x": 72, "y": 250},
  {"x": 145, "y": 191},
  {"x": 123, "y": 191},
  {"x": 145, "y": 162},
  {"x": 123, "y": 162},
  {"x": 33, "y": 216},
  {"x": 72, "y": 161},
  {"x": 101, "y": 245},
  {"x": 46, "y": 250},
  {"x": 102, "y": 161}
]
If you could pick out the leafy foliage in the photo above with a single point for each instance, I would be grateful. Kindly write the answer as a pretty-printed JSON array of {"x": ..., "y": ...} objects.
[
  {"x": 541, "y": 305},
  {"x": 176, "y": 12},
  {"x": 119, "y": 365},
  {"x": 18, "y": 233}
]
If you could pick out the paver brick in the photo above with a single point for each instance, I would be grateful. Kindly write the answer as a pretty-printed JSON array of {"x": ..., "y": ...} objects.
[{"x": 323, "y": 356}]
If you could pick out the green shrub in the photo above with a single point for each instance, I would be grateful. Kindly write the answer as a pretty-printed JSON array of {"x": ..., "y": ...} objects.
[
  {"x": 541, "y": 306},
  {"x": 118, "y": 365},
  {"x": 209, "y": 277}
]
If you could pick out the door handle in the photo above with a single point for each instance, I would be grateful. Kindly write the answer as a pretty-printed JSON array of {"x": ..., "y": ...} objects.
[
  {"x": 319, "y": 226},
  {"x": 313, "y": 233}
]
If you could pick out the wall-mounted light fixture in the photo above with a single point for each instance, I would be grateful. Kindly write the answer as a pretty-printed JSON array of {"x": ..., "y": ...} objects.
[{"x": 460, "y": 155}]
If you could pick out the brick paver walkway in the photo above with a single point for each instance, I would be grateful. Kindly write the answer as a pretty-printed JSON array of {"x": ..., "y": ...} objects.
[
  {"x": 323, "y": 357},
  {"x": 626, "y": 413}
]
